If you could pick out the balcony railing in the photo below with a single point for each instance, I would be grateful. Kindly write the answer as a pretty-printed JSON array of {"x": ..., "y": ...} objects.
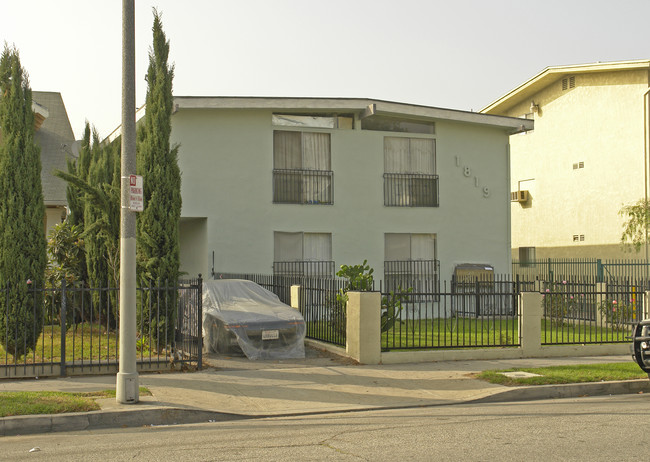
[
  {"x": 302, "y": 186},
  {"x": 410, "y": 190},
  {"x": 304, "y": 268}
]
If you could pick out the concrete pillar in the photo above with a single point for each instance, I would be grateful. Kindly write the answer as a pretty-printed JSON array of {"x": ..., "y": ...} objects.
[
  {"x": 646, "y": 308},
  {"x": 295, "y": 297},
  {"x": 363, "y": 327},
  {"x": 530, "y": 335}
]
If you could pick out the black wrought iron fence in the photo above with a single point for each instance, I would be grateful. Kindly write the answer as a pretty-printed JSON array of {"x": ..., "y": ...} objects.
[
  {"x": 584, "y": 311},
  {"x": 558, "y": 269},
  {"x": 323, "y": 306},
  {"x": 484, "y": 315},
  {"x": 74, "y": 330}
]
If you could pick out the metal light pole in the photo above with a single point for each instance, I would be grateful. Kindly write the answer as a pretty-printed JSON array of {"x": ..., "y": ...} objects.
[{"x": 127, "y": 389}]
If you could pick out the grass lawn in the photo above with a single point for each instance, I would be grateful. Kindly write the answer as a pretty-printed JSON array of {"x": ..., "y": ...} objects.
[
  {"x": 567, "y": 374},
  {"x": 472, "y": 332},
  {"x": 82, "y": 342},
  {"x": 52, "y": 402}
]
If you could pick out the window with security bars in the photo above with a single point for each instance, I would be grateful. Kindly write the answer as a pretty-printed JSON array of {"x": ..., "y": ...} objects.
[
  {"x": 302, "y": 171},
  {"x": 410, "y": 261},
  {"x": 410, "y": 178},
  {"x": 302, "y": 254}
]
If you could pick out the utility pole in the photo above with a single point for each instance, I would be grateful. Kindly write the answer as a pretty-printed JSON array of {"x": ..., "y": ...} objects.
[{"x": 127, "y": 389}]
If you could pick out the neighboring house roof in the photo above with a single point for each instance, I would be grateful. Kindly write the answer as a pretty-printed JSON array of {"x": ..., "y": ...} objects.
[
  {"x": 554, "y": 73},
  {"x": 56, "y": 139},
  {"x": 361, "y": 106}
]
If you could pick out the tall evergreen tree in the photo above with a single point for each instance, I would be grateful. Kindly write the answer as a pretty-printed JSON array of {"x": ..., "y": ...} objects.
[
  {"x": 78, "y": 168},
  {"x": 96, "y": 179},
  {"x": 76, "y": 197},
  {"x": 22, "y": 234},
  {"x": 157, "y": 225}
]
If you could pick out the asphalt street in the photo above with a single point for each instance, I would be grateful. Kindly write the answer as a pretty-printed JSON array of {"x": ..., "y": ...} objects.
[{"x": 609, "y": 428}]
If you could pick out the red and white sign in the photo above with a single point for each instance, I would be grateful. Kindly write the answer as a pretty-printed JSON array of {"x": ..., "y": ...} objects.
[{"x": 136, "y": 194}]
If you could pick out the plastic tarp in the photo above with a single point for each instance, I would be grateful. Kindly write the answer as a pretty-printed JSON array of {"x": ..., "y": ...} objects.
[{"x": 241, "y": 313}]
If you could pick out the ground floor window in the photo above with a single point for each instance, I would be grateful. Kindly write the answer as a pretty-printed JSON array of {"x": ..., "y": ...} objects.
[
  {"x": 410, "y": 261},
  {"x": 302, "y": 254},
  {"x": 526, "y": 256}
]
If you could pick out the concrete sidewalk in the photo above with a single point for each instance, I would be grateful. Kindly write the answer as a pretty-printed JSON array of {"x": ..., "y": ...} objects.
[{"x": 236, "y": 388}]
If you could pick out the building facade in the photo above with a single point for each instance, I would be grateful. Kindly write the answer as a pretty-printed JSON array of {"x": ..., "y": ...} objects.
[
  {"x": 302, "y": 186},
  {"x": 586, "y": 158},
  {"x": 56, "y": 139}
]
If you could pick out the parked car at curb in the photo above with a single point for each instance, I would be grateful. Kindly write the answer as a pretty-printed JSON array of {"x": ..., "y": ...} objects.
[
  {"x": 641, "y": 345},
  {"x": 242, "y": 315}
]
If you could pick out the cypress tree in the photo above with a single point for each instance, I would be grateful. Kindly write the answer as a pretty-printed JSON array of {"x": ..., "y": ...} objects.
[
  {"x": 157, "y": 225},
  {"x": 76, "y": 197},
  {"x": 96, "y": 180},
  {"x": 78, "y": 168},
  {"x": 22, "y": 234}
]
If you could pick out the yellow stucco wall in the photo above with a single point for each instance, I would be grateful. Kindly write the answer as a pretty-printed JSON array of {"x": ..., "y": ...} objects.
[{"x": 599, "y": 123}]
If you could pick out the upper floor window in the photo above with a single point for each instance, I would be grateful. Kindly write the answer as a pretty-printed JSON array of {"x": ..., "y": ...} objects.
[
  {"x": 394, "y": 124},
  {"x": 313, "y": 121},
  {"x": 410, "y": 178},
  {"x": 302, "y": 172}
]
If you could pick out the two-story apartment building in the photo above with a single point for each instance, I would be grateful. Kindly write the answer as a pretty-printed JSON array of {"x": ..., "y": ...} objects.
[
  {"x": 585, "y": 159},
  {"x": 304, "y": 185}
]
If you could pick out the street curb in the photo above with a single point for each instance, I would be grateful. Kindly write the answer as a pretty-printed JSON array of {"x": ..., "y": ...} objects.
[
  {"x": 160, "y": 416},
  {"x": 570, "y": 390},
  {"x": 31, "y": 424}
]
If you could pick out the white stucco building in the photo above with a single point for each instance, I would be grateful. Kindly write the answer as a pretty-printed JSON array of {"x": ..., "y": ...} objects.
[{"x": 308, "y": 184}]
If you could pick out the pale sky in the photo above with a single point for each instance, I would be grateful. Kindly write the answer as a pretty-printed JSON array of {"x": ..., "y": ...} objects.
[{"x": 459, "y": 54}]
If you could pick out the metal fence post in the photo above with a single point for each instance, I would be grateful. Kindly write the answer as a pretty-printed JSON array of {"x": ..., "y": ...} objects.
[
  {"x": 63, "y": 314},
  {"x": 478, "y": 298},
  {"x": 601, "y": 296},
  {"x": 599, "y": 271},
  {"x": 200, "y": 321}
]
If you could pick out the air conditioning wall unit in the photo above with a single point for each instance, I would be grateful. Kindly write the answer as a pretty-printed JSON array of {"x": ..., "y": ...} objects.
[{"x": 519, "y": 196}]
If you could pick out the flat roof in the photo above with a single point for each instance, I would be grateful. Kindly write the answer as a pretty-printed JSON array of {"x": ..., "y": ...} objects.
[{"x": 362, "y": 106}]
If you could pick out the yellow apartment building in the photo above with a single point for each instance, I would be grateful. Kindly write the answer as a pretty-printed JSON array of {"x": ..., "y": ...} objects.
[{"x": 586, "y": 157}]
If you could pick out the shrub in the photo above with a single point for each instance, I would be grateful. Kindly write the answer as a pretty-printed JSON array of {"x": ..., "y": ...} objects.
[
  {"x": 617, "y": 313},
  {"x": 557, "y": 302}
]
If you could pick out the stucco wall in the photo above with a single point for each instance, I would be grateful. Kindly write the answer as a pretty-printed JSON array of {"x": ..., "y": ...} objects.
[
  {"x": 600, "y": 123},
  {"x": 226, "y": 159}
]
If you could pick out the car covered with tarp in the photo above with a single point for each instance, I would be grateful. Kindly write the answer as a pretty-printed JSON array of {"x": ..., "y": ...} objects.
[{"x": 242, "y": 315}]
